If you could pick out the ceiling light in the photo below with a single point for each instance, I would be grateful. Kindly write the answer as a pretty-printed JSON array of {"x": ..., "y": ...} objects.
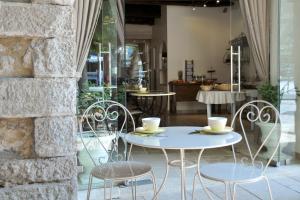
[
  {"x": 204, "y": 5},
  {"x": 218, "y": 1}
]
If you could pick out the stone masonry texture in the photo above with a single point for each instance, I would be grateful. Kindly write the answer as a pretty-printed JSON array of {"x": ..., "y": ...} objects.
[
  {"x": 35, "y": 20},
  {"x": 58, "y": 2},
  {"x": 16, "y": 136},
  {"x": 37, "y": 97},
  {"x": 37, "y": 100},
  {"x": 65, "y": 190},
  {"x": 53, "y": 57},
  {"x": 55, "y": 136},
  {"x": 18, "y": 172}
]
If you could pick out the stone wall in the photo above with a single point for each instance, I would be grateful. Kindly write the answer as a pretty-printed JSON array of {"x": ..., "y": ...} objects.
[{"x": 37, "y": 100}]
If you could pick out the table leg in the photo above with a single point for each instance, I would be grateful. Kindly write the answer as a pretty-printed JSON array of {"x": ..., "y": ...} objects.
[
  {"x": 252, "y": 117},
  {"x": 208, "y": 110},
  {"x": 233, "y": 110},
  {"x": 200, "y": 177},
  {"x": 166, "y": 174},
  {"x": 182, "y": 168}
]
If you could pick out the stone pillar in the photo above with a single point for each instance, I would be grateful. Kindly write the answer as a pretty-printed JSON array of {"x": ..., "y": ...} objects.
[{"x": 37, "y": 100}]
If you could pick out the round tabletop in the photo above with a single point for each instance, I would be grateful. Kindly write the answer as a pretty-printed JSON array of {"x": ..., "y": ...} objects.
[
  {"x": 152, "y": 94},
  {"x": 180, "y": 137}
]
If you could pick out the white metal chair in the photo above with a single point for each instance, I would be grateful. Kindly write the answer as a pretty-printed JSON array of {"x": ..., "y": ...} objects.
[
  {"x": 105, "y": 122},
  {"x": 252, "y": 167}
]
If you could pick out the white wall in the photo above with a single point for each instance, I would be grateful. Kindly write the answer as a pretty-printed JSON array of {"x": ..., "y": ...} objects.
[{"x": 200, "y": 35}]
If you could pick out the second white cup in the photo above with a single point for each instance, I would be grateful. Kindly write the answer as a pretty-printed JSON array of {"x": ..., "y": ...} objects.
[
  {"x": 151, "y": 123},
  {"x": 217, "y": 123}
]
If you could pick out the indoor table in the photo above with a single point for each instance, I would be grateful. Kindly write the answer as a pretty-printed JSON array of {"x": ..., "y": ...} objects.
[
  {"x": 182, "y": 138},
  {"x": 153, "y": 104},
  {"x": 220, "y": 97}
]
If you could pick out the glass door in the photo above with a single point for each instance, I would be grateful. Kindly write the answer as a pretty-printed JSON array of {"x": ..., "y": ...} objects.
[
  {"x": 103, "y": 68},
  {"x": 289, "y": 79},
  {"x": 283, "y": 73}
]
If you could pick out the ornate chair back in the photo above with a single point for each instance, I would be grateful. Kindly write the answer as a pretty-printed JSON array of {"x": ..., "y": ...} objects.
[
  {"x": 264, "y": 113},
  {"x": 100, "y": 127}
]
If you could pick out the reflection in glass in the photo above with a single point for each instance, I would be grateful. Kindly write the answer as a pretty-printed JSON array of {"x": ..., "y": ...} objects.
[{"x": 288, "y": 78}]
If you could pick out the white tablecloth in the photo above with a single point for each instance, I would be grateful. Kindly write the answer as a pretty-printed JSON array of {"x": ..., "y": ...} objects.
[{"x": 220, "y": 97}]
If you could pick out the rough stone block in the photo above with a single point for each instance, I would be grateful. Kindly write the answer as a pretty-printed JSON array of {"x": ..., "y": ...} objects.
[
  {"x": 37, "y": 97},
  {"x": 15, "y": 57},
  {"x": 58, "y": 2},
  {"x": 36, "y": 20},
  {"x": 15, "y": 171},
  {"x": 19, "y": 57},
  {"x": 16, "y": 136},
  {"x": 66, "y": 190},
  {"x": 54, "y": 57},
  {"x": 55, "y": 136}
]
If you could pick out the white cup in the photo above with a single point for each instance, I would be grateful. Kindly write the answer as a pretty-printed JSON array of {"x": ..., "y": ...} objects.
[
  {"x": 143, "y": 89},
  {"x": 151, "y": 123},
  {"x": 217, "y": 123}
]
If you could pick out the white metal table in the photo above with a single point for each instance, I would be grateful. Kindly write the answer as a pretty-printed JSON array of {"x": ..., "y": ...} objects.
[{"x": 180, "y": 138}]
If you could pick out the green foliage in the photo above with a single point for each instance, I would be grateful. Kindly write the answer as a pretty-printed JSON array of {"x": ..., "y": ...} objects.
[
  {"x": 121, "y": 94},
  {"x": 269, "y": 93},
  {"x": 106, "y": 30},
  {"x": 86, "y": 97},
  {"x": 297, "y": 91}
]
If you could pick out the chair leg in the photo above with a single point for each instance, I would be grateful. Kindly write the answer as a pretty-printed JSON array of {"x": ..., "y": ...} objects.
[
  {"x": 230, "y": 190},
  {"x": 154, "y": 185},
  {"x": 234, "y": 191},
  {"x": 194, "y": 182},
  {"x": 104, "y": 189},
  {"x": 134, "y": 189},
  {"x": 89, "y": 186},
  {"x": 226, "y": 190},
  {"x": 269, "y": 187},
  {"x": 204, "y": 188},
  {"x": 111, "y": 188},
  {"x": 132, "y": 192}
]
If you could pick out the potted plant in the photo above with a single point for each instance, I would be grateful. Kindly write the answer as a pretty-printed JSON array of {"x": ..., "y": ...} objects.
[{"x": 272, "y": 95}]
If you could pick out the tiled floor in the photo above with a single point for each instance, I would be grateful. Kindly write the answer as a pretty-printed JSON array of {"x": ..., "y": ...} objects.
[{"x": 284, "y": 180}]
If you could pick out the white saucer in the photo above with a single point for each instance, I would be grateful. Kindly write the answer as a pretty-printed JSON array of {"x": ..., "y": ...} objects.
[
  {"x": 142, "y": 130},
  {"x": 227, "y": 129},
  {"x": 143, "y": 92}
]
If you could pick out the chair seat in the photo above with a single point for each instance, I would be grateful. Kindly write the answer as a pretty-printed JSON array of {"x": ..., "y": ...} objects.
[
  {"x": 233, "y": 172},
  {"x": 120, "y": 170}
]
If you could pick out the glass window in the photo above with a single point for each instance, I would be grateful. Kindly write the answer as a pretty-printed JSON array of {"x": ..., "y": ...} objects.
[{"x": 288, "y": 79}]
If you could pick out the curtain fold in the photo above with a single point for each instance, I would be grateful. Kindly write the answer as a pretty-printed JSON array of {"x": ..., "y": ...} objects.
[
  {"x": 121, "y": 20},
  {"x": 87, "y": 13},
  {"x": 256, "y": 17}
]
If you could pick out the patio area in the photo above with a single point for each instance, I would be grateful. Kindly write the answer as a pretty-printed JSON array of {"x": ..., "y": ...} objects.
[{"x": 284, "y": 180}]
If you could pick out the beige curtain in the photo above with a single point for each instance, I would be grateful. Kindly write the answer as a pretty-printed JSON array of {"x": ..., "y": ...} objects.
[
  {"x": 87, "y": 13},
  {"x": 256, "y": 16},
  {"x": 121, "y": 20}
]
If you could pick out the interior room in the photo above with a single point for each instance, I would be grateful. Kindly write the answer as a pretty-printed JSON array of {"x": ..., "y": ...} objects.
[{"x": 140, "y": 99}]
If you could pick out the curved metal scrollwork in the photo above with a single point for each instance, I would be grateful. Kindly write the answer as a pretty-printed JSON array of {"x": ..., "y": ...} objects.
[
  {"x": 104, "y": 121},
  {"x": 259, "y": 111}
]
